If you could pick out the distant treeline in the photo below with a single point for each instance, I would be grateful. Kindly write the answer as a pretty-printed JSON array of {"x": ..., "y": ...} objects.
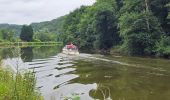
[
  {"x": 135, "y": 27},
  {"x": 27, "y": 34},
  {"x": 42, "y": 32}
]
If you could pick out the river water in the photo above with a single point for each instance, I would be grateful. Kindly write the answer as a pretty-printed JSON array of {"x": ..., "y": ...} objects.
[{"x": 92, "y": 76}]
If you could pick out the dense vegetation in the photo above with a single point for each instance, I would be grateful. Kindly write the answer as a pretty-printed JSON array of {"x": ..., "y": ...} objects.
[
  {"x": 43, "y": 31},
  {"x": 19, "y": 87},
  {"x": 136, "y": 27},
  {"x": 53, "y": 26},
  {"x": 26, "y": 33},
  {"x": 12, "y": 27},
  {"x": 7, "y": 35}
]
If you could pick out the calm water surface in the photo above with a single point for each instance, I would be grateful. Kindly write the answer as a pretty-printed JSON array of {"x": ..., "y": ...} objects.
[{"x": 92, "y": 76}]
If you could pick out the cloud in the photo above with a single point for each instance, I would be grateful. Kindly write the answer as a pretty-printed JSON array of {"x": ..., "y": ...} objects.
[{"x": 28, "y": 11}]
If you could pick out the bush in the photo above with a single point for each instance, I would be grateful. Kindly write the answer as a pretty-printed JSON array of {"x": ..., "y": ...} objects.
[
  {"x": 1, "y": 40},
  {"x": 163, "y": 47},
  {"x": 19, "y": 87},
  {"x": 36, "y": 40},
  {"x": 138, "y": 44}
]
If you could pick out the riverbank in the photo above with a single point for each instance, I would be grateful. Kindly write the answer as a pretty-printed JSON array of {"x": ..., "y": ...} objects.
[
  {"x": 30, "y": 44},
  {"x": 18, "y": 87},
  {"x": 118, "y": 51}
]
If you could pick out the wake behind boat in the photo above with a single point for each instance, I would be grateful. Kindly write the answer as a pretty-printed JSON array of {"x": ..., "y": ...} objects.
[{"x": 70, "y": 49}]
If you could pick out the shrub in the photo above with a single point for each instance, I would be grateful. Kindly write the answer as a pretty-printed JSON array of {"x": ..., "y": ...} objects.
[
  {"x": 163, "y": 47},
  {"x": 18, "y": 87}
]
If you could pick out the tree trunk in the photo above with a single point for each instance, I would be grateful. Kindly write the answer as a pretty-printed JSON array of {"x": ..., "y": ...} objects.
[{"x": 147, "y": 10}]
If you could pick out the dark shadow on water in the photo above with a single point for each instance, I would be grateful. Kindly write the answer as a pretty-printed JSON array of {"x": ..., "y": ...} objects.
[{"x": 27, "y": 54}]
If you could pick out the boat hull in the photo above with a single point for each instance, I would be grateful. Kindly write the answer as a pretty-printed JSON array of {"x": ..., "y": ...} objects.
[{"x": 70, "y": 52}]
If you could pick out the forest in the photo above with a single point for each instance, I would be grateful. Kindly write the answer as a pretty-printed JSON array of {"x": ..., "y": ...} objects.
[{"x": 133, "y": 27}]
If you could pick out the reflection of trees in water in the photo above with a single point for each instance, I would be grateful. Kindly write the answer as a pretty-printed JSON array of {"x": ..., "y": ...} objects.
[
  {"x": 120, "y": 82},
  {"x": 6, "y": 53},
  {"x": 27, "y": 54},
  {"x": 46, "y": 51}
]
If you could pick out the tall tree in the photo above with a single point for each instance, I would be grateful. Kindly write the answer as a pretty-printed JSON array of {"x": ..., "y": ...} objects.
[
  {"x": 138, "y": 27},
  {"x": 168, "y": 19},
  {"x": 26, "y": 33},
  {"x": 70, "y": 26},
  {"x": 160, "y": 10},
  {"x": 106, "y": 27}
]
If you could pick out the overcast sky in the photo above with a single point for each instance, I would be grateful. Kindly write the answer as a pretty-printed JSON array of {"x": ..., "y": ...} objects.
[{"x": 28, "y": 11}]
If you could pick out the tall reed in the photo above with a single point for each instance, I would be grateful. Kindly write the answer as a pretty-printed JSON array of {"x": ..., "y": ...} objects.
[{"x": 18, "y": 87}]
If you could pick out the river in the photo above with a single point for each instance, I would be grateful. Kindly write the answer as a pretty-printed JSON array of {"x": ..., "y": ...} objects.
[{"x": 92, "y": 76}]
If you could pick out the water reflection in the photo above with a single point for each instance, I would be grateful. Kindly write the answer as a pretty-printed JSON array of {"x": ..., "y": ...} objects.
[
  {"x": 46, "y": 52},
  {"x": 30, "y": 53},
  {"x": 95, "y": 76},
  {"x": 27, "y": 54},
  {"x": 119, "y": 82},
  {"x": 6, "y": 53}
]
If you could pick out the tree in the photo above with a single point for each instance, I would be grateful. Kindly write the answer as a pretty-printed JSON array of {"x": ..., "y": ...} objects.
[
  {"x": 106, "y": 27},
  {"x": 26, "y": 33},
  {"x": 70, "y": 26},
  {"x": 7, "y": 35},
  {"x": 138, "y": 24},
  {"x": 93, "y": 26},
  {"x": 163, "y": 47},
  {"x": 44, "y": 35},
  {"x": 139, "y": 29},
  {"x": 168, "y": 5},
  {"x": 168, "y": 19},
  {"x": 160, "y": 11}
]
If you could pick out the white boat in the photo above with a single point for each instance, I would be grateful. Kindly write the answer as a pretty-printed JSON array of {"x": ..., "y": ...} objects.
[{"x": 70, "y": 51}]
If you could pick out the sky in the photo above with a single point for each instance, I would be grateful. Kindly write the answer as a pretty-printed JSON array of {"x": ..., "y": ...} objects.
[{"x": 28, "y": 11}]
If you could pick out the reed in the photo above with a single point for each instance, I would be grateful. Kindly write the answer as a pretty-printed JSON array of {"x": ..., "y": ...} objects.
[{"x": 18, "y": 86}]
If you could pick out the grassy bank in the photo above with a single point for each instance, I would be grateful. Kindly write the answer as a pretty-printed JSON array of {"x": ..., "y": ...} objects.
[
  {"x": 24, "y": 44},
  {"x": 18, "y": 87}
]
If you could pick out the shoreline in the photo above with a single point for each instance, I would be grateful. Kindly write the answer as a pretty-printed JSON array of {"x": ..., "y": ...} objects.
[{"x": 25, "y": 44}]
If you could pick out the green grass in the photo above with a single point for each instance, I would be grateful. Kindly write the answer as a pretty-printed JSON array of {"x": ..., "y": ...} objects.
[{"x": 18, "y": 87}]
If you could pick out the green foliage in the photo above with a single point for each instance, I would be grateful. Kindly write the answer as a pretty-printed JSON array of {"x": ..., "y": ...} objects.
[
  {"x": 96, "y": 27},
  {"x": 44, "y": 36},
  {"x": 105, "y": 26},
  {"x": 163, "y": 47},
  {"x": 70, "y": 26},
  {"x": 53, "y": 26},
  {"x": 19, "y": 87},
  {"x": 7, "y": 35},
  {"x": 138, "y": 44},
  {"x": 15, "y": 28},
  {"x": 159, "y": 10},
  {"x": 26, "y": 33},
  {"x": 92, "y": 27},
  {"x": 139, "y": 29},
  {"x": 168, "y": 6},
  {"x": 168, "y": 19}
]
